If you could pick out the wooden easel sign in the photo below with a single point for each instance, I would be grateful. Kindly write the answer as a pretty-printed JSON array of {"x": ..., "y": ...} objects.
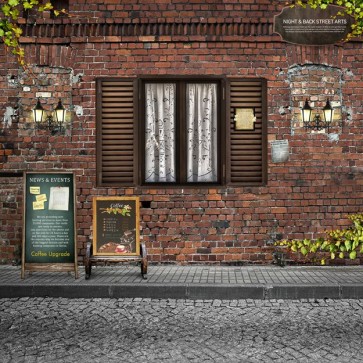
[
  {"x": 116, "y": 226},
  {"x": 49, "y": 228}
]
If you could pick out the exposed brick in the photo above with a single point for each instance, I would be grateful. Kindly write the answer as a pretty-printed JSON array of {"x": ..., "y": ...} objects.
[{"x": 314, "y": 190}]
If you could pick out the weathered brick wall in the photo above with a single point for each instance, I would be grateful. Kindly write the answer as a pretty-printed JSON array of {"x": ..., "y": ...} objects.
[
  {"x": 314, "y": 190},
  {"x": 11, "y": 219}
]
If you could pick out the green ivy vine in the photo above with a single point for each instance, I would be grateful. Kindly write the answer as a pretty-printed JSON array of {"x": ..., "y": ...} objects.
[
  {"x": 353, "y": 8},
  {"x": 10, "y": 31},
  {"x": 10, "y": 11},
  {"x": 338, "y": 243}
]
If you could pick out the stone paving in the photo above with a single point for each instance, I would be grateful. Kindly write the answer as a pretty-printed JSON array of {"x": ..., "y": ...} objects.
[
  {"x": 190, "y": 282},
  {"x": 196, "y": 274},
  {"x": 171, "y": 330}
]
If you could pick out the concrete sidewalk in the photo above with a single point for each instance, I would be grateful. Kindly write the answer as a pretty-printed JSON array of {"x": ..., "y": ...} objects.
[{"x": 190, "y": 282}]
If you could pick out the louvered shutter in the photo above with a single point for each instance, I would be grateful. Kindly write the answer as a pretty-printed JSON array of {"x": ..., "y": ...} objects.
[
  {"x": 247, "y": 148},
  {"x": 116, "y": 146}
]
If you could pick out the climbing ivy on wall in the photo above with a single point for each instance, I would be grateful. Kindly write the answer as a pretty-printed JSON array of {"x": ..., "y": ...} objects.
[
  {"x": 350, "y": 7},
  {"x": 10, "y": 11},
  {"x": 10, "y": 31}
]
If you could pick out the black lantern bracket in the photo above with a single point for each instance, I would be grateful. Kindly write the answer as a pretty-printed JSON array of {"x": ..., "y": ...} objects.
[
  {"x": 54, "y": 122},
  {"x": 319, "y": 119}
]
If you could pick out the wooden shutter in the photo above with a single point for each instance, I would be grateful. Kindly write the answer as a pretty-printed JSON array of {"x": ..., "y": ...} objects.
[
  {"x": 247, "y": 162},
  {"x": 116, "y": 146}
]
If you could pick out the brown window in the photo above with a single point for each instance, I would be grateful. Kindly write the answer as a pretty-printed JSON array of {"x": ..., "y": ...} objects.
[{"x": 181, "y": 131}]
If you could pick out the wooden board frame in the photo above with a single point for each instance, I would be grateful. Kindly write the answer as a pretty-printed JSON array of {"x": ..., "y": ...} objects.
[
  {"x": 49, "y": 222},
  {"x": 116, "y": 226}
]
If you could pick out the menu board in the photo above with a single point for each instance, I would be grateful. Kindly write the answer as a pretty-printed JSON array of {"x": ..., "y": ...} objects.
[
  {"x": 116, "y": 226},
  {"x": 49, "y": 222}
]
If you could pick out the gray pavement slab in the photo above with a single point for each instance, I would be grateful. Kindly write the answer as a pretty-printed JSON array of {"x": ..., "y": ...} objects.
[
  {"x": 189, "y": 282},
  {"x": 59, "y": 330}
]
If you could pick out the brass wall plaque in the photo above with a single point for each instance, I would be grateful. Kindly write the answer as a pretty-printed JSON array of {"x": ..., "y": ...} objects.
[
  {"x": 244, "y": 119},
  {"x": 309, "y": 26}
]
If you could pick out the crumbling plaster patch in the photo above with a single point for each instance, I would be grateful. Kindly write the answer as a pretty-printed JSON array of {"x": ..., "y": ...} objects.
[{"x": 317, "y": 83}]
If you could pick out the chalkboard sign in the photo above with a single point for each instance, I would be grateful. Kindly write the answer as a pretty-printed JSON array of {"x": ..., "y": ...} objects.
[
  {"x": 49, "y": 238},
  {"x": 116, "y": 226}
]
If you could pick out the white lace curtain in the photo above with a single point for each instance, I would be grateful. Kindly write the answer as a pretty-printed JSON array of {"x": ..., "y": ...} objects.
[
  {"x": 160, "y": 133},
  {"x": 202, "y": 158},
  {"x": 201, "y": 123}
]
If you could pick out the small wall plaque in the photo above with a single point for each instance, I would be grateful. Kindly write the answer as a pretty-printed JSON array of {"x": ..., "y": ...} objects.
[
  {"x": 280, "y": 151},
  {"x": 43, "y": 94},
  {"x": 245, "y": 119}
]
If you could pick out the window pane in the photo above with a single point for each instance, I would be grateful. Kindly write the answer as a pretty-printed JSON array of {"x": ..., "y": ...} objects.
[
  {"x": 202, "y": 153},
  {"x": 160, "y": 132}
]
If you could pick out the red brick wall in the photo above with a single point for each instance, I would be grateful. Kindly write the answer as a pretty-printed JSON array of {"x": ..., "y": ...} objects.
[{"x": 314, "y": 190}]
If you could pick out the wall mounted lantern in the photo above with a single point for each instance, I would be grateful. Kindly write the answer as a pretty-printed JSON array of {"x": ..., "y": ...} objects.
[
  {"x": 317, "y": 122},
  {"x": 53, "y": 122}
]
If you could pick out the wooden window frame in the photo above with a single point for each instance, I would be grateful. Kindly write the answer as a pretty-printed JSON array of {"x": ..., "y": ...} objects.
[
  {"x": 228, "y": 161},
  {"x": 180, "y": 136}
]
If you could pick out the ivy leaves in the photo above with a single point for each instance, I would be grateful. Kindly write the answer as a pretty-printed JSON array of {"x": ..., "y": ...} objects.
[
  {"x": 124, "y": 210},
  {"x": 10, "y": 32},
  {"x": 352, "y": 8},
  {"x": 338, "y": 243}
]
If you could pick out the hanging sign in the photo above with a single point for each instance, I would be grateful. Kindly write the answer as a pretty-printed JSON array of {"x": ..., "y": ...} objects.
[
  {"x": 313, "y": 26},
  {"x": 49, "y": 238}
]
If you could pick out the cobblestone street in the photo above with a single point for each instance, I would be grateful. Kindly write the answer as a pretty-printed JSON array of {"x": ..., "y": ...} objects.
[{"x": 146, "y": 330}]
